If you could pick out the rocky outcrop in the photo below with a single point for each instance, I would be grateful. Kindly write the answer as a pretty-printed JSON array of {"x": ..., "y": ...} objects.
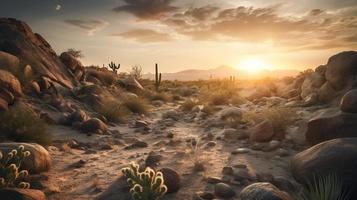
[
  {"x": 17, "y": 38},
  {"x": 349, "y": 102},
  {"x": 10, "y": 83},
  {"x": 39, "y": 159},
  {"x": 74, "y": 65},
  {"x": 9, "y": 62},
  {"x": 338, "y": 156}
]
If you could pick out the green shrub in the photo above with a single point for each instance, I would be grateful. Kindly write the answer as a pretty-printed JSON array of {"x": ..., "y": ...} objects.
[
  {"x": 136, "y": 105},
  {"x": 9, "y": 169},
  {"x": 20, "y": 124},
  {"x": 147, "y": 185},
  {"x": 328, "y": 187}
]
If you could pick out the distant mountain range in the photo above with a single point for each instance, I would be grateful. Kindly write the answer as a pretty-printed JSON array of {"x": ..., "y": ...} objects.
[{"x": 221, "y": 72}]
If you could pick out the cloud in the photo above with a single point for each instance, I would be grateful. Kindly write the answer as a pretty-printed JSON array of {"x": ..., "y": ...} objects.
[
  {"x": 147, "y": 9},
  {"x": 319, "y": 28},
  {"x": 90, "y": 26},
  {"x": 145, "y": 36}
]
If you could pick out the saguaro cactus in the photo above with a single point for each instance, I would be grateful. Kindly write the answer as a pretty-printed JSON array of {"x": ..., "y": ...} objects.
[
  {"x": 157, "y": 77},
  {"x": 114, "y": 67}
]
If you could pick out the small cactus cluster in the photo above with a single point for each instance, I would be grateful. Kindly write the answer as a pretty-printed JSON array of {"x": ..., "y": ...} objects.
[
  {"x": 232, "y": 79},
  {"x": 146, "y": 185},
  {"x": 114, "y": 67},
  {"x": 9, "y": 168},
  {"x": 157, "y": 78}
]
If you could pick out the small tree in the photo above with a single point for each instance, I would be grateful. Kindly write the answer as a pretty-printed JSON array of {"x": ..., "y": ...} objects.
[
  {"x": 75, "y": 53},
  {"x": 136, "y": 72}
]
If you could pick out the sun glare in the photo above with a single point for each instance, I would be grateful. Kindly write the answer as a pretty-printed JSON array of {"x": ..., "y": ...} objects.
[{"x": 252, "y": 65}]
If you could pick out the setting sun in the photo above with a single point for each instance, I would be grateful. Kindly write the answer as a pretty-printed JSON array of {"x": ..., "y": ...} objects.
[{"x": 252, "y": 65}]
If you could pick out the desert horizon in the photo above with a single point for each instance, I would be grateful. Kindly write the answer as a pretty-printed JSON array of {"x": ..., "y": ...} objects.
[{"x": 178, "y": 100}]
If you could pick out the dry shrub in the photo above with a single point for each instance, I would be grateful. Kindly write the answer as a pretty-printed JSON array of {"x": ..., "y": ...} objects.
[
  {"x": 136, "y": 105},
  {"x": 188, "y": 105},
  {"x": 114, "y": 111},
  {"x": 161, "y": 96},
  {"x": 21, "y": 124},
  {"x": 221, "y": 98}
]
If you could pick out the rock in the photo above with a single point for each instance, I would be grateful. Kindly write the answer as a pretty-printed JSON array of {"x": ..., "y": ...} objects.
[
  {"x": 331, "y": 124},
  {"x": 228, "y": 170},
  {"x": 284, "y": 184},
  {"x": 311, "y": 84},
  {"x": 337, "y": 156},
  {"x": 230, "y": 112},
  {"x": 74, "y": 65},
  {"x": 10, "y": 83},
  {"x": 244, "y": 174},
  {"x": 172, "y": 180},
  {"x": 230, "y": 134},
  {"x": 341, "y": 69},
  {"x": 327, "y": 93},
  {"x": 131, "y": 83},
  {"x": 35, "y": 87},
  {"x": 21, "y": 194},
  {"x": 213, "y": 180},
  {"x": 223, "y": 190},
  {"x": 142, "y": 124},
  {"x": 263, "y": 191},
  {"x": 349, "y": 102},
  {"x": 77, "y": 116},
  {"x": 3, "y": 105},
  {"x": 39, "y": 160},
  {"x": 273, "y": 145},
  {"x": 205, "y": 195},
  {"x": 137, "y": 144},
  {"x": 153, "y": 159},
  {"x": 7, "y": 96},
  {"x": 9, "y": 62},
  {"x": 93, "y": 125},
  {"x": 241, "y": 151},
  {"x": 17, "y": 38},
  {"x": 262, "y": 132}
]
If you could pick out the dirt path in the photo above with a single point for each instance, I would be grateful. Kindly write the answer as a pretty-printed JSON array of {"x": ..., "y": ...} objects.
[{"x": 86, "y": 174}]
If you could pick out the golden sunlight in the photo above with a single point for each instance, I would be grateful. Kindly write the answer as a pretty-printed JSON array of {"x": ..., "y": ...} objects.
[{"x": 252, "y": 65}]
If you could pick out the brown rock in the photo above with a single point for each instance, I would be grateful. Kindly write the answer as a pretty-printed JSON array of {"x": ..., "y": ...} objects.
[
  {"x": 21, "y": 194},
  {"x": 7, "y": 96},
  {"x": 349, "y": 102},
  {"x": 3, "y": 105},
  {"x": 74, "y": 65},
  {"x": 262, "y": 132},
  {"x": 93, "y": 125},
  {"x": 261, "y": 191},
  {"x": 172, "y": 179},
  {"x": 9, "y": 62},
  {"x": 10, "y": 83}
]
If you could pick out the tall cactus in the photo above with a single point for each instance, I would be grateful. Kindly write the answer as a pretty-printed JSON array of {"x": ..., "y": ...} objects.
[
  {"x": 157, "y": 77},
  {"x": 114, "y": 67}
]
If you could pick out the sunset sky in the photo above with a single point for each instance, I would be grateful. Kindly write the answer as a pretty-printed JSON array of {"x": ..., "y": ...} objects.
[{"x": 185, "y": 34}]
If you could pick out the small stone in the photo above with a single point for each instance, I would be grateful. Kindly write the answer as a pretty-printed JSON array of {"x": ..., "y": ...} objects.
[
  {"x": 137, "y": 144},
  {"x": 223, "y": 190},
  {"x": 205, "y": 195},
  {"x": 241, "y": 151},
  {"x": 227, "y": 170},
  {"x": 213, "y": 180},
  {"x": 211, "y": 144}
]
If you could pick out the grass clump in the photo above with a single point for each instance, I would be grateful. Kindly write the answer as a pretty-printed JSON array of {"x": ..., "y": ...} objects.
[
  {"x": 161, "y": 97},
  {"x": 20, "y": 124},
  {"x": 188, "y": 105},
  {"x": 136, "y": 105},
  {"x": 219, "y": 99},
  {"x": 114, "y": 111},
  {"x": 328, "y": 187}
]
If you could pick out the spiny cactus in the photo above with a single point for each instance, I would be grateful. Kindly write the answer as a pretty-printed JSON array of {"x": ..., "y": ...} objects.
[
  {"x": 9, "y": 168},
  {"x": 114, "y": 67},
  {"x": 147, "y": 185},
  {"x": 157, "y": 77}
]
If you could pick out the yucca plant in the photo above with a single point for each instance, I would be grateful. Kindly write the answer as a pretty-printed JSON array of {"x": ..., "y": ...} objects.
[
  {"x": 329, "y": 187},
  {"x": 10, "y": 164},
  {"x": 146, "y": 185}
]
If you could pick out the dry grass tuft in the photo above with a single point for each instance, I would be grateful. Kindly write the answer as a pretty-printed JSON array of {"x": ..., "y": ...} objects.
[{"x": 136, "y": 105}]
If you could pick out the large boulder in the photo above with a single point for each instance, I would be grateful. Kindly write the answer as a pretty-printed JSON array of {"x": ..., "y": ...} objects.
[
  {"x": 349, "y": 102},
  {"x": 39, "y": 160},
  {"x": 74, "y": 65},
  {"x": 10, "y": 83},
  {"x": 230, "y": 112},
  {"x": 331, "y": 124},
  {"x": 263, "y": 191},
  {"x": 311, "y": 84},
  {"x": 130, "y": 83},
  {"x": 338, "y": 156},
  {"x": 9, "y": 62},
  {"x": 342, "y": 69},
  {"x": 21, "y": 194},
  {"x": 326, "y": 93},
  {"x": 17, "y": 38}
]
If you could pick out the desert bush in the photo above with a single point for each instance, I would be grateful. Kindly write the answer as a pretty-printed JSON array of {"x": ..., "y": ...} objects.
[
  {"x": 207, "y": 109},
  {"x": 281, "y": 117},
  {"x": 221, "y": 98},
  {"x": 238, "y": 100},
  {"x": 328, "y": 187},
  {"x": 160, "y": 96},
  {"x": 136, "y": 72},
  {"x": 188, "y": 105},
  {"x": 114, "y": 111},
  {"x": 75, "y": 53},
  {"x": 146, "y": 185},
  {"x": 20, "y": 124},
  {"x": 10, "y": 164},
  {"x": 136, "y": 105}
]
